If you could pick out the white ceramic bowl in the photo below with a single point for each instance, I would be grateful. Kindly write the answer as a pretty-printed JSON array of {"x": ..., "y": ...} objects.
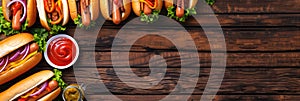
[{"x": 59, "y": 36}]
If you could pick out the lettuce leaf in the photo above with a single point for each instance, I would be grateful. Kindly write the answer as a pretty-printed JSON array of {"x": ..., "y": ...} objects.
[
  {"x": 150, "y": 18},
  {"x": 188, "y": 12}
]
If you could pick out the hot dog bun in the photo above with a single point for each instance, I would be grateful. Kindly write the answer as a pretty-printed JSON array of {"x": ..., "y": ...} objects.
[
  {"x": 170, "y": 3},
  {"x": 104, "y": 8},
  {"x": 73, "y": 9},
  {"x": 94, "y": 9},
  {"x": 26, "y": 85},
  {"x": 31, "y": 12},
  {"x": 11, "y": 44},
  {"x": 136, "y": 6},
  {"x": 51, "y": 96},
  {"x": 6, "y": 11},
  {"x": 42, "y": 14},
  {"x": 65, "y": 12}
]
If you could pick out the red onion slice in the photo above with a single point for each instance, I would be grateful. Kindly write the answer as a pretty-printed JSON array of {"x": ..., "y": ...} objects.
[
  {"x": 6, "y": 62},
  {"x": 24, "y": 8},
  {"x": 40, "y": 90},
  {"x": 15, "y": 56},
  {"x": 1, "y": 62},
  {"x": 26, "y": 53},
  {"x": 24, "y": 50}
]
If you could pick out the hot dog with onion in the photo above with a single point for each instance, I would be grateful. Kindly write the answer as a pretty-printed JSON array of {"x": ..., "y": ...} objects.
[
  {"x": 19, "y": 11},
  {"x": 57, "y": 11},
  {"x": 37, "y": 87},
  {"x": 115, "y": 10},
  {"x": 84, "y": 11},
  {"x": 180, "y": 9},
  {"x": 18, "y": 54},
  {"x": 144, "y": 8}
]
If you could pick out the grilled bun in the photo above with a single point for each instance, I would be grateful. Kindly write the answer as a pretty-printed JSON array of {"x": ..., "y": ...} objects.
[
  {"x": 11, "y": 44},
  {"x": 25, "y": 85},
  {"x": 104, "y": 8},
  {"x": 136, "y": 6}
]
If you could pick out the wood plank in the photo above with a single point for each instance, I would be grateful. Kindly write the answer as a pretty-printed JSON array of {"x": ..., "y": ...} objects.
[
  {"x": 225, "y": 20},
  {"x": 141, "y": 59},
  {"x": 196, "y": 97},
  {"x": 244, "y": 81},
  {"x": 237, "y": 39}
]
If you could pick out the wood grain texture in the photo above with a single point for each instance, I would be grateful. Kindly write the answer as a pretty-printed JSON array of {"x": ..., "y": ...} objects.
[
  {"x": 245, "y": 81},
  {"x": 197, "y": 97},
  {"x": 237, "y": 39}
]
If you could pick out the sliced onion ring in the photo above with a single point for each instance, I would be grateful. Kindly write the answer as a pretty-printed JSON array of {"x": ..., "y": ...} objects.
[
  {"x": 15, "y": 56},
  {"x": 6, "y": 62},
  {"x": 26, "y": 53},
  {"x": 24, "y": 7},
  {"x": 40, "y": 90},
  {"x": 24, "y": 50},
  {"x": 1, "y": 62}
]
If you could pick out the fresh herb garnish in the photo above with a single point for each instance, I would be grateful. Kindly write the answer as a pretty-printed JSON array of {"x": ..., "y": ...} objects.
[
  {"x": 210, "y": 2},
  {"x": 40, "y": 37},
  {"x": 188, "y": 12},
  {"x": 78, "y": 22},
  {"x": 150, "y": 18},
  {"x": 57, "y": 77}
]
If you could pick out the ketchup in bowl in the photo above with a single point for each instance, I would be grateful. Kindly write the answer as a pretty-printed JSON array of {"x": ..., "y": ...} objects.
[{"x": 62, "y": 51}]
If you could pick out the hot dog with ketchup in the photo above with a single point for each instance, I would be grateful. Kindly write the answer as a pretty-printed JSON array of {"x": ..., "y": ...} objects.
[
  {"x": 18, "y": 55},
  {"x": 19, "y": 11},
  {"x": 177, "y": 9},
  {"x": 55, "y": 10},
  {"x": 144, "y": 8},
  {"x": 37, "y": 87},
  {"x": 115, "y": 10},
  {"x": 84, "y": 10}
]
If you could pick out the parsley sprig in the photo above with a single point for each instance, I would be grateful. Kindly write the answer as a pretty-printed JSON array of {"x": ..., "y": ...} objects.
[
  {"x": 210, "y": 2},
  {"x": 57, "y": 77},
  {"x": 150, "y": 18},
  {"x": 188, "y": 12}
]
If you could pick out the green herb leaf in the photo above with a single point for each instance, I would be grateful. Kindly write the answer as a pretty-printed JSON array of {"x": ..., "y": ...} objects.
[
  {"x": 188, "y": 12},
  {"x": 57, "y": 77},
  {"x": 210, "y": 2},
  {"x": 150, "y": 18},
  {"x": 40, "y": 37}
]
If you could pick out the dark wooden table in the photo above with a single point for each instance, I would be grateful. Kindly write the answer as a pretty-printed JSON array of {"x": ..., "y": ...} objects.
[{"x": 263, "y": 54}]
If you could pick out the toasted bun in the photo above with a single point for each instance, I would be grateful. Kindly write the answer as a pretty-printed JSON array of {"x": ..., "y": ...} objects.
[
  {"x": 94, "y": 9},
  {"x": 65, "y": 12},
  {"x": 105, "y": 13},
  {"x": 51, "y": 96},
  {"x": 25, "y": 85},
  {"x": 42, "y": 14},
  {"x": 169, "y": 3},
  {"x": 136, "y": 6},
  {"x": 6, "y": 11},
  {"x": 31, "y": 12},
  {"x": 73, "y": 9},
  {"x": 17, "y": 71},
  {"x": 12, "y": 43}
]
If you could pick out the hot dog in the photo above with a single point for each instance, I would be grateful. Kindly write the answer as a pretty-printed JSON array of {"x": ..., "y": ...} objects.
[
  {"x": 18, "y": 55},
  {"x": 115, "y": 10},
  {"x": 18, "y": 13},
  {"x": 35, "y": 87},
  {"x": 55, "y": 10},
  {"x": 146, "y": 7},
  {"x": 88, "y": 10},
  {"x": 179, "y": 7}
]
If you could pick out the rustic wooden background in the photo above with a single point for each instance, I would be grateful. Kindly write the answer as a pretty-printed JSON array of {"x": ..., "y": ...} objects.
[{"x": 262, "y": 40}]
